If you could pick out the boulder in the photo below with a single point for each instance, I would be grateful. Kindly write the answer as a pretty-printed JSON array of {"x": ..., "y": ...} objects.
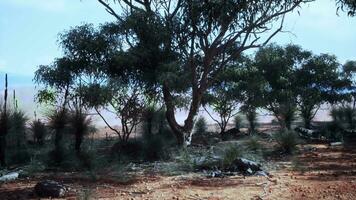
[
  {"x": 50, "y": 188},
  {"x": 9, "y": 177},
  {"x": 307, "y": 133},
  {"x": 244, "y": 166}
]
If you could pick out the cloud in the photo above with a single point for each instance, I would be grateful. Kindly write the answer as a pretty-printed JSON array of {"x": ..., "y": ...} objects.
[{"x": 44, "y": 5}]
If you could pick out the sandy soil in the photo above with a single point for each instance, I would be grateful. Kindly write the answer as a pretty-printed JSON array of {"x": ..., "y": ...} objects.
[{"x": 321, "y": 172}]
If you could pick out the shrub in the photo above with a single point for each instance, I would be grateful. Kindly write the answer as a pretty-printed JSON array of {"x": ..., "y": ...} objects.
[
  {"x": 57, "y": 122},
  {"x": 127, "y": 150},
  {"x": 200, "y": 127},
  {"x": 238, "y": 122},
  {"x": 344, "y": 117},
  {"x": 39, "y": 131},
  {"x": 231, "y": 153},
  {"x": 19, "y": 156},
  {"x": 154, "y": 149},
  {"x": 17, "y": 133},
  {"x": 251, "y": 117},
  {"x": 253, "y": 143},
  {"x": 81, "y": 125},
  {"x": 287, "y": 140},
  {"x": 17, "y": 145}
]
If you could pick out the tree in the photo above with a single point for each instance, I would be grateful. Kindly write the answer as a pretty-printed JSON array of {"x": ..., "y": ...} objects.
[
  {"x": 348, "y": 6},
  {"x": 252, "y": 85},
  {"x": 318, "y": 81},
  {"x": 179, "y": 47},
  {"x": 224, "y": 95},
  {"x": 4, "y": 126},
  {"x": 200, "y": 127},
  {"x": 82, "y": 78},
  {"x": 81, "y": 125},
  {"x": 277, "y": 65},
  {"x": 348, "y": 71}
]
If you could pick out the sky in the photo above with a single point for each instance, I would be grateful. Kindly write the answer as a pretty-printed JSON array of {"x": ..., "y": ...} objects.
[{"x": 29, "y": 32}]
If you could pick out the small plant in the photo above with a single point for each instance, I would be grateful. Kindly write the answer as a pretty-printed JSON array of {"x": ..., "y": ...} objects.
[
  {"x": 200, "y": 127},
  {"x": 154, "y": 149},
  {"x": 81, "y": 125},
  {"x": 287, "y": 140},
  {"x": 39, "y": 131},
  {"x": 251, "y": 117},
  {"x": 87, "y": 194},
  {"x": 231, "y": 153},
  {"x": 238, "y": 122},
  {"x": 57, "y": 122},
  {"x": 17, "y": 133},
  {"x": 253, "y": 143}
]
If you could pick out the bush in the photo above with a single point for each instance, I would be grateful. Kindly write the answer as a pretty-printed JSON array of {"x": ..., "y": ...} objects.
[
  {"x": 253, "y": 143},
  {"x": 287, "y": 140},
  {"x": 231, "y": 153},
  {"x": 17, "y": 132},
  {"x": 80, "y": 125},
  {"x": 127, "y": 150},
  {"x": 238, "y": 122},
  {"x": 57, "y": 122},
  {"x": 19, "y": 156},
  {"x": 154, "y": 149},
  {"x": 344, "y": 117},
  {"x": 200, "y": 127},
  {"x": 39, "y": 131},
  {"x": 251, "y": 117}
]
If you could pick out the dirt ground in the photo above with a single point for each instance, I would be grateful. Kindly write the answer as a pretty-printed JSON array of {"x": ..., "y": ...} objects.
[{"x": 319, "y": 172}]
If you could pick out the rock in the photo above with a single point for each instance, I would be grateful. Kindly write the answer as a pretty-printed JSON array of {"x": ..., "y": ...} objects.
[
  {"x": 336, "y": 144},
  {"x": 216, "y": 174},
  {"x": 244, "y": 165},
  {"x": 307, "y": 133},
  {"x": 50, "y": 189},
  {"x": 9, "y": 177}
]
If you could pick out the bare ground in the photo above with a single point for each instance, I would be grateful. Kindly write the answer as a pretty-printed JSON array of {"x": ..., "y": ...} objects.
[{"x": 320, "y": 173}]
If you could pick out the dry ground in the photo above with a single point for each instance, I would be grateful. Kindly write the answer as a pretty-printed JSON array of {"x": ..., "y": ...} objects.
[{"x": 320, "y": 173}]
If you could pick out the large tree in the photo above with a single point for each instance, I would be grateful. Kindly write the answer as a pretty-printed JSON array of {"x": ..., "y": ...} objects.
[
  {"x": 277, "y": 65},
  {"x": 317, "y": 82},
  {"x": 179, "y": 47}
]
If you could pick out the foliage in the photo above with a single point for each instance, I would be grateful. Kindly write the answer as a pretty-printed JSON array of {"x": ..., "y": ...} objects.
[
  {"x": 225, "y": 94},
  {"x": 39, "y": 131},
  {"x": 238, "y": 122},
  {"x": 277, "y": 65},
  {"x": 253, "y": 143},
  {"x": 58, "y": 124},
  {"x": 348, "y": 6},
  {"x": 80, "y": 125},
  {"x": 17, "y": 133},
  {"x": 231, "y": 153},
  {"x": 287, "y": 140},
  {"x": 168, "y": 49},
  {"x": 344, "y": 116},
  {"x": 251, "y": 116},
  {"x": 318, "y": 81},
  {"x": 200, "y": 127},
  {"x": 19, "y": 156}
]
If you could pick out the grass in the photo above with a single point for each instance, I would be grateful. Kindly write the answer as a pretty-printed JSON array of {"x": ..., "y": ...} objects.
[{"x": 287, "y": 141}]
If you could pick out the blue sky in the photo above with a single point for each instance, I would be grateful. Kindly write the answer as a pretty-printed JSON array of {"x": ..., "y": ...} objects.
[{"x": 29, "y": 29}]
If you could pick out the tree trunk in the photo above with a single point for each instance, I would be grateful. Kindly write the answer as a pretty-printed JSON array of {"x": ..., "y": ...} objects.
[
  {"x": 2, "y": 150},
  {"x": 78, "y": 142},
  {"x": 307, "y": 123},
  {"x": 57, "y": 139},
  {"x": 184, "y": 133}
]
